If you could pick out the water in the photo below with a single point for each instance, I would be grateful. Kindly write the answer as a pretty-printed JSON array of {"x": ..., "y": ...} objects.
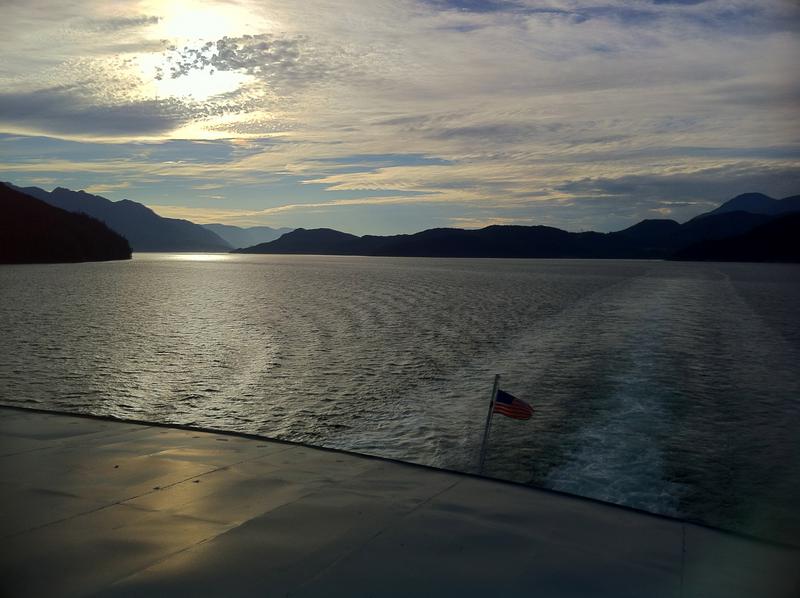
[{"x": 670, "y": 387}]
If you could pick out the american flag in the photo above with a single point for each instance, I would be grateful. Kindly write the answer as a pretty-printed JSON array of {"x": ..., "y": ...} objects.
[{"x": 511, "y": 406}]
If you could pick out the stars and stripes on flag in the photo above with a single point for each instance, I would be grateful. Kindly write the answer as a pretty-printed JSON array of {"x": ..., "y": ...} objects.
[{"x": 510, "y": 406}]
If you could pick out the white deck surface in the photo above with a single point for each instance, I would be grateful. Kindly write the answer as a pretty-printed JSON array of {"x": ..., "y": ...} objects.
[{"x": 91, "y": 507}]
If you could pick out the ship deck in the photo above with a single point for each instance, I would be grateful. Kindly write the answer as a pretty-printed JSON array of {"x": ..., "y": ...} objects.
[{"x": 101, "y": 507}]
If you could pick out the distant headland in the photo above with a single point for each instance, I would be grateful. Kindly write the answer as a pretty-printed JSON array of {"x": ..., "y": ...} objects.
[
  {"x": 32, "y": 231},
  {"x": 749, "y": 227}
]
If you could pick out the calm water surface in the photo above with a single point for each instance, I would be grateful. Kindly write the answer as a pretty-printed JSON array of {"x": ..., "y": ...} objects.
[{"x": 671, "y": 387}]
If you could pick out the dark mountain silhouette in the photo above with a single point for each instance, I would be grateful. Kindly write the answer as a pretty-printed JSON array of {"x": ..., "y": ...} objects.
[
  {"x": 775, "y": 241},
  {"x": 31, "y": 231},
  {"x": 324, "y": 241},
  {"x": 650, "y": 230},
  {"x": 757, "y": 203},
  {"x": 503, "y": 241},
  {"x": 238, "y": 236},
  {"x": 492, "y": 241},
  {"x": 144, "y": 229},
  {"x": 656, "y": 239},
  {"x": 651, "y": 238},
  {"x": 717, "y": 226}
]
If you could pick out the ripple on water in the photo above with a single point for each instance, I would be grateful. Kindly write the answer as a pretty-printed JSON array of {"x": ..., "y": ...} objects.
[{"x": 664, "y": 386}]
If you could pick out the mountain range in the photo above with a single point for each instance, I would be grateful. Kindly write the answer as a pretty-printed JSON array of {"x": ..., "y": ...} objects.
[
  {"x": 31, "y": 231},
  {"x": 656, "y": 239},
  {"x": 142, "y": 227},
  {"x": 757, "y": 203},
  {"x": 778, "y": 240},
  {"x": 147, "y": 231}
]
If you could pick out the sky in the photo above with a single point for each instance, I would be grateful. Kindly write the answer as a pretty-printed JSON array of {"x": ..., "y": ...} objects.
[{"x": 396, "y": 116}]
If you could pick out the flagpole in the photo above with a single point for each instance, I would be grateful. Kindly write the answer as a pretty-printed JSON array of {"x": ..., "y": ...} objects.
[{"x": 488, "y": 423}]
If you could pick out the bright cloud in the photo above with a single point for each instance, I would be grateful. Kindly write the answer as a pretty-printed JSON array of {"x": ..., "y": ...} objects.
[{"x": 566, "y": 112}]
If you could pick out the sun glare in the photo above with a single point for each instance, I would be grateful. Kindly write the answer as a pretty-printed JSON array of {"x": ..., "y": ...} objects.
[
  {"x": 198, "y": 84},
  {"x": 201, "y": 257},
  {"x": 188, "y": 20},
  {"x": 191, "y": 23}
]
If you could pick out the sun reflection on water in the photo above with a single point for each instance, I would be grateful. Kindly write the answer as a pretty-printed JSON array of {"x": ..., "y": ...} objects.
[{"x": 201, "y": 257}]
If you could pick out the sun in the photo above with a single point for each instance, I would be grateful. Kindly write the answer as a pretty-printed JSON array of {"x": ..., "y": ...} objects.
[
  {"x": 183, "y": 20},
  {"x": 191, "y": 23}
]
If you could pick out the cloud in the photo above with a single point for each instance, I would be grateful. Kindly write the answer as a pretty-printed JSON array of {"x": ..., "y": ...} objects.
[
  {"x": 479, "y": 6},
  {"x": 114, "y": 24},
  {"x": 559, "y": 112},
  {"x": 205, "y": 215},
  {"x": 467, "y": 222},
  {"x": 684, "y": 2},
  {"x": 66, "y": 111},
  {"x": 106, "y": 187},
  {"x": 687, "y": 187},
  {"x": 267, "y": 57}
]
